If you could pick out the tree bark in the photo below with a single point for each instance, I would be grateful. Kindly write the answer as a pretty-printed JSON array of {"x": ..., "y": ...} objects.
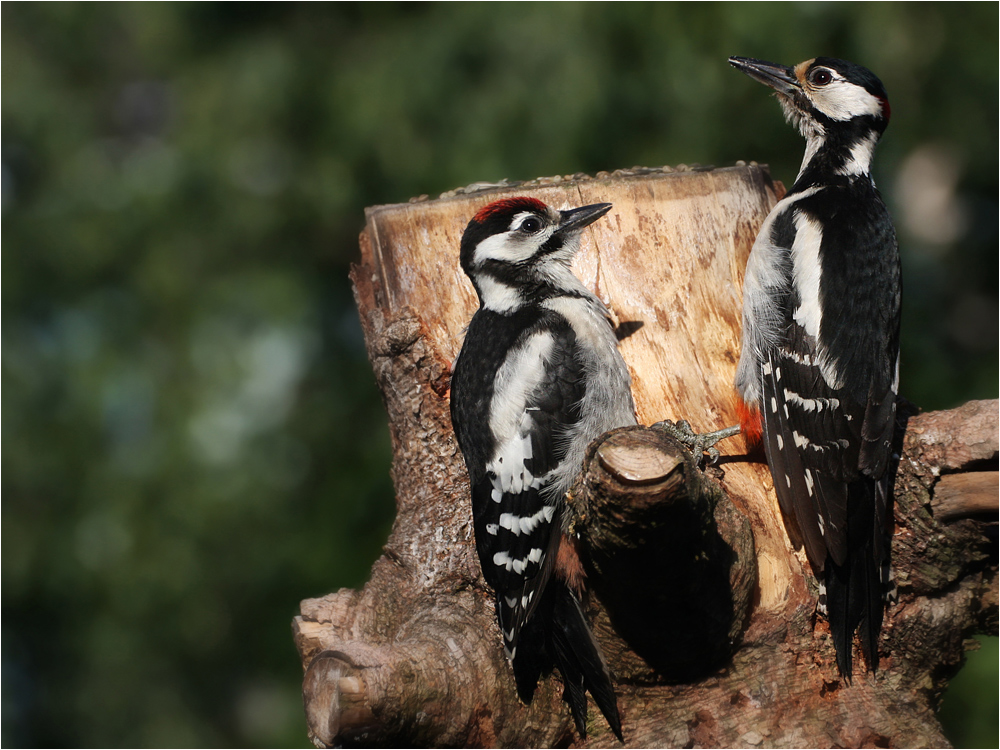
[{"x": 703, "y": 607}]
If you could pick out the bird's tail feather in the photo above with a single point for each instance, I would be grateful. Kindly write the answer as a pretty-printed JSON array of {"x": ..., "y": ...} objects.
[
  {"x": 558, "y": 633},
  {"x": 579, "y": 660},
  {"x": 530, "y": 659},
  {"x": 854, "y": 590}
]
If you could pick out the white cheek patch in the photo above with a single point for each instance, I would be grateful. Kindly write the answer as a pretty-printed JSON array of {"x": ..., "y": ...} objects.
[
  {"x": 841, "y": 100},
  {"x": 506, "y": 247},
  {"x": 511, "y": 246}
]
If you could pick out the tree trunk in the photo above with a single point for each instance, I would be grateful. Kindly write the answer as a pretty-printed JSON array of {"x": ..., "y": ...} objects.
[{"x": 703, "y": 607}]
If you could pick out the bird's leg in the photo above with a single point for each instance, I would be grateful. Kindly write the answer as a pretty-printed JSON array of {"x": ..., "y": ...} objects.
[{"x": 698, "y": 443}]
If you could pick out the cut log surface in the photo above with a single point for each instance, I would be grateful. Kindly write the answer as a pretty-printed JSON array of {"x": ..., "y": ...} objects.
[{"x": 703, "y": 606}]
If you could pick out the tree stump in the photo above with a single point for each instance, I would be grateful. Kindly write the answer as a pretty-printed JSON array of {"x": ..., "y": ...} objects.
[{"x": 703, "y": 607}]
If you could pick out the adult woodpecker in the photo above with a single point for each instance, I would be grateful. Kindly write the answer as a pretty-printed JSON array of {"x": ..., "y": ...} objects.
[
  {"x": 819, "y": 367},
  {"x": 539, "y": 376}
]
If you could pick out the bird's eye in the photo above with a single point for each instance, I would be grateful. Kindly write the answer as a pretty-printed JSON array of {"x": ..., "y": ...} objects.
[
  {"x": 530, "y": 225},
  {"x": 822, "y": 77}
]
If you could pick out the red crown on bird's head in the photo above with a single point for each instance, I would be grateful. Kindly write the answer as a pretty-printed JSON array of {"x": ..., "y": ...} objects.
[{"x": 509, "y": 206}]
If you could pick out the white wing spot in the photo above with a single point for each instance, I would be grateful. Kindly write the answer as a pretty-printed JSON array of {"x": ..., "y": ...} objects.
[
  {"x": 520, "y": 525},
  {"x": 781, "y": 443},
  {"x": 545, "y": 512},
  {"x": 809, "y": 482},
  {"x": 811, "y": 404},
  {"x": 511, "y": 522},
  {"x": 774, "y": 406},
  {"x": 802, "y": 359},
  {"x": 492, "y": 528}
]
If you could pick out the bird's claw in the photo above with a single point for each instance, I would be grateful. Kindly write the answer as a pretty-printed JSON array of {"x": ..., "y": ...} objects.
[{"x": 699, "y": 444}]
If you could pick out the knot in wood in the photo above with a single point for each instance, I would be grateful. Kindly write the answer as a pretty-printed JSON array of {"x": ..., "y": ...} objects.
[{"x": 398, "y": 335}]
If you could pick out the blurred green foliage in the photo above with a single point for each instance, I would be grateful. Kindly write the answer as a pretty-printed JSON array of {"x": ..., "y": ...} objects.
[{"x": 192, "y": 439}]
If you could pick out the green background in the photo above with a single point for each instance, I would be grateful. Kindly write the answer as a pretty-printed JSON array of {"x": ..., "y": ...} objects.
[{"x": 192, "y": 438}]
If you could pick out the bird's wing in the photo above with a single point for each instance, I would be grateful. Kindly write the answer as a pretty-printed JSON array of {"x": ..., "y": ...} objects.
[
  {"x": 829, "y": 407},
  {"x": 516, "y": 512},
  {"x": 812, "y": 439}
]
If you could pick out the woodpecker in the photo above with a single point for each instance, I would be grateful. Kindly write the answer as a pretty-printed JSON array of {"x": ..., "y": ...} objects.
[
  {"x": 539, "y": 377},
  {"x": 819, "y": 367}
]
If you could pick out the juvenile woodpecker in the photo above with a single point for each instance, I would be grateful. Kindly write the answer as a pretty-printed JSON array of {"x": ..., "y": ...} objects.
[
  {"x": 539, "y": 376},
  {"x": 819, "y": 367}
]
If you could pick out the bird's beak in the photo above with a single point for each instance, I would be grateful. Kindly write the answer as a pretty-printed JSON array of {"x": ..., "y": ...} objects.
[
  {"x": 781, "y": 78},
  {"x": 575, "y": 219}
]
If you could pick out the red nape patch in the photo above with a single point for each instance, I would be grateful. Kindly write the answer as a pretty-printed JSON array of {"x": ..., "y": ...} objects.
[
  {"x": 886, "y": 109},
  {"x": 750, "y": 424},
  {"x": 509, "y": 206}
]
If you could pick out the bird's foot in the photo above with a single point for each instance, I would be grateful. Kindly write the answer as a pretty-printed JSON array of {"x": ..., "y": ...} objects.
[{"x": 698, "y": 443}]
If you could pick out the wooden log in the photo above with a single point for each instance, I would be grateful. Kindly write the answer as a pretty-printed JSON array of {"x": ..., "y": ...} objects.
[
  {"x": 644, "y": 507},
  {"x": 415, "y": 656},
  {"x": 670, "y": 264},
  {"x": 965, "y": 495}
]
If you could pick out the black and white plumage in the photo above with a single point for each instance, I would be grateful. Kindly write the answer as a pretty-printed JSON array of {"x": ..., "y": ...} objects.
[
  {"x": 820, "y": 356},
  {"x": 539, "y": 376}
]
